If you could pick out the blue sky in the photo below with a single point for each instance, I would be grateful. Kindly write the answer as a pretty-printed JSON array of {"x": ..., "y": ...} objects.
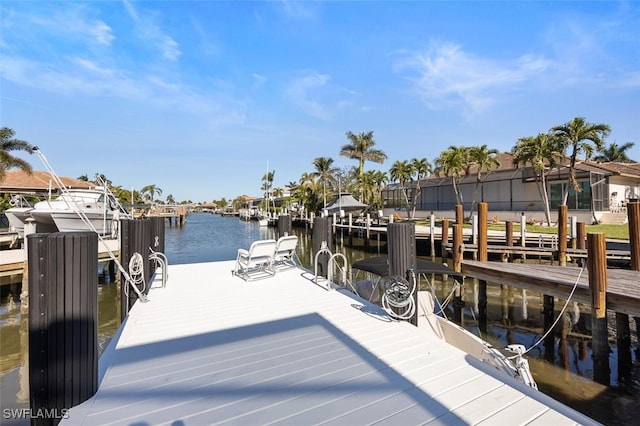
[{"x": 197, "y": 97}]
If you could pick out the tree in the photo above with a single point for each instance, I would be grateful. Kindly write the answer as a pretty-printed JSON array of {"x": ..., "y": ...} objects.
[
  {"x": 362, "y": 149},
  {"x": 542, "y": 152},
  {"x": 324, "y": 171},
  {"x": 403, "y": 172},
  {"x": 170, "y": 199},
  {"x": 580, "y": 136},
  {"x": 454, "y": 161},
  {"x": 267, "y": 180},
  {"x": 8, "y": 144},
  {"x": 614, "y": 153},
  {"x": 149, "y": 192},
  {"x": 484, "y": 159},
  {"x": 307, "y": 192}
]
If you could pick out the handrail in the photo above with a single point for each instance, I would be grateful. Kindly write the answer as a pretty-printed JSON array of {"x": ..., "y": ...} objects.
[
  {"x": 344, "y": 270},
  {"x": 323, "y": 249},
  {"x": 161, "y": 261}
]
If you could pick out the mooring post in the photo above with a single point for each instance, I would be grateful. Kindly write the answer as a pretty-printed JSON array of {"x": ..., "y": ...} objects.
[
  {"x": 136, "y": 238},
  {"x": 581, "y": 235},
  {"x": 483, "y": 215},
  {"x": 63, "y": 322},
  {"x": 321, "y": 234},
  {"x": 523, "y": 230},
  {"x": 284, "y": 225},
  {"x": 456, "y": 254},
  {"x": 562, "y": 235},
  {"x": 402, "y": 257},
  {"x": 508, "y": 233},
  {"x": 597, "y": 267},
  {"x": 573, "y": 221},
  {"x": 432, "y": 236},
  {"x": 459, "y": 214},
  {"x": 633, "y": 215},
  {"x": 444, "y": 240}
]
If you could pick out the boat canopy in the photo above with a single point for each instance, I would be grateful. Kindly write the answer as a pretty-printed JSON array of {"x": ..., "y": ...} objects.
[
  {"x": 380, "y": 266},
  {"x": 345, "y": 202}
]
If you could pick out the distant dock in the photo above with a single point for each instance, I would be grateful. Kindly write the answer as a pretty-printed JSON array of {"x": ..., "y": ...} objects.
[{"x": 12, "y": 261}]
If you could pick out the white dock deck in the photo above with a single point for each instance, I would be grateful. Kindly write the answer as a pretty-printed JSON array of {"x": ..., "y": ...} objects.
[{"x": 211, "y": 348}]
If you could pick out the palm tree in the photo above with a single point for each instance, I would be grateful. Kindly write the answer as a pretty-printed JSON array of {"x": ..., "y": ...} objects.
[
  {"x": 542, "y": 152},
  {"x": 379, "y": 179},
  {"x": 453, "y": 162},
  {"x": 324, "y": 171},
  {"x": 484, "y": 159},
  {"x": 307, "y": 192},
  {"x": 423, "y": 168},
  {"x": 170, "y": 199},
  {"x": 362, "y": 149},
  {"x": 615, "y": 153},
  {"x": 401, "y": 172},
  {"x": 267, "y": 185},
  {"x": 8, "y": 144},
  {"x": 150, "y": 191},
  {"x": 580, "y": 136}
]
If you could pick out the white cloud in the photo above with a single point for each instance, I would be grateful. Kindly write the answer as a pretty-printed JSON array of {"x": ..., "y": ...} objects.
[
  {"x": 74, "y": 22},
  {"x": 170, "y": 48},
  {"x": 445, "y": 76},
  {"x": 303, "y": 92}
]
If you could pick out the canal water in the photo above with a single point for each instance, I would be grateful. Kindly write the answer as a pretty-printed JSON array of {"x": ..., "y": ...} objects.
[{"x": 206, "y": 237}]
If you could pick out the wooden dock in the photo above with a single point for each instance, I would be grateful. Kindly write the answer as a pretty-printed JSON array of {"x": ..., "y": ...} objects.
[
  {"x": 211, "y": 348},
  {"x": 623, "y": 289},
  {"x": 12, "y": 261}
]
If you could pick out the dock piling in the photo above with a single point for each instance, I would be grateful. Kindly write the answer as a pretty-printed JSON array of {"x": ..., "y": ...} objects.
[
  {"x": 444, "y": 240},
  {"x": 63, "y": 323},
  {"x": 483, "y": 215},
  {"x": 562, "y": 235},
  {"x": 322, "y": 233},
  {"x": 284, "y": 225},
  {"x": 597, "y": 267},
  {"x": 458, "y": 304},
  {"x": 402, "y": 256}
]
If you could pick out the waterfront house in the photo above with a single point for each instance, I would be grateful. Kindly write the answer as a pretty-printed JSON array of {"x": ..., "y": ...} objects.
[{"x": 511, "y": 191}]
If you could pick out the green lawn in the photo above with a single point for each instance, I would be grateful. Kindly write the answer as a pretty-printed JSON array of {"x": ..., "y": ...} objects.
[{"x": 619, "y": 232}]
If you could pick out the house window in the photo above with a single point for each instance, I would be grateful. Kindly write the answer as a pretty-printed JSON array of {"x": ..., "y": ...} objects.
[{"x": 575, "y": 200}]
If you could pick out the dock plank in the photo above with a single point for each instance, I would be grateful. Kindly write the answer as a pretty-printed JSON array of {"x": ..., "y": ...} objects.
[
  {"x": 623, "y": 286},
  {"x": 211, "y": 348}
]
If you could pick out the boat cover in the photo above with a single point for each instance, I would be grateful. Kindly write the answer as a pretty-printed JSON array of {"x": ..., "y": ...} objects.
[
  {"x": 380, "y": 266},
  {"x": 345, "y": 202}
]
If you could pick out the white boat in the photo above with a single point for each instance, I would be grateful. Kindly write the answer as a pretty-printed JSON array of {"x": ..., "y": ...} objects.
[
  {"x": 78, "y": 210},
  {"x": 18, "y": 213},
  {"x": 509, "y": 360}
]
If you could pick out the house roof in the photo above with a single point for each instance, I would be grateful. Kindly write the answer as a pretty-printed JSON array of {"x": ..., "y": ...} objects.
[
  {"x": 622, "y": 169},
  {"x": 37, "y": 181}
]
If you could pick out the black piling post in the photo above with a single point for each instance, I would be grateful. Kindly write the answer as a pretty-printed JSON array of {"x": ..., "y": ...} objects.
[
  {"x": 63, "y": 325},
  {"x": 136, "y": 238},
  {"x": 402, "y": 255},
  {"x": 284, "y": 225},
  {"x": 157, "y": 233},
  {"x": 321, "y": 233}
]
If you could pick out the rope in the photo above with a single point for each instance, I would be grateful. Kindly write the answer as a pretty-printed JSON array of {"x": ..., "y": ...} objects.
[
  {"x": 398, "y": 294},
  {"x": 544, "y": 336}
]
